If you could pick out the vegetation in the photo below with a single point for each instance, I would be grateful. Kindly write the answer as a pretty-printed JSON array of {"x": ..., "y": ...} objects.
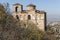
[{"x": 12, "y": 29}]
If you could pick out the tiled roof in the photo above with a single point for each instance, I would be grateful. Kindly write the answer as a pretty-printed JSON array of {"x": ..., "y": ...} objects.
[
  {"x": 40, "y": 11},
  {"x": 24, "y": 11}
]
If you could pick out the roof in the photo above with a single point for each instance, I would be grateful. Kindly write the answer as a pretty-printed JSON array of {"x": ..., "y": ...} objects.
[
  {"x": 37, "y": 11},
  {"x": 40, "y": 11},
  {"x": 24, "y": 11},
  {"x": 31, "y": 5},
  {"x": 17, "y": 4}
]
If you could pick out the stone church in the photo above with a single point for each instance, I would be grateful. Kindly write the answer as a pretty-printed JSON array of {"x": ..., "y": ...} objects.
[{"x": 30, "y": 14}]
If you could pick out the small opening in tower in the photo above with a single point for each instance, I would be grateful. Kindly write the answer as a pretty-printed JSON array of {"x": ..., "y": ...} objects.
[
  {"x": 17, "y": 17},
  {"x": 29, "y": 17},
  {"x": 16, "y": 9}
]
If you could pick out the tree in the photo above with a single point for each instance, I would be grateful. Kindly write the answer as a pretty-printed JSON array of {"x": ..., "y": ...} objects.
[{"x": 7, "y": 8}]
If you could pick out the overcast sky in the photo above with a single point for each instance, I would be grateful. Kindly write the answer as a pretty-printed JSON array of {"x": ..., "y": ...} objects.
[{"x": 52, "y": 7}]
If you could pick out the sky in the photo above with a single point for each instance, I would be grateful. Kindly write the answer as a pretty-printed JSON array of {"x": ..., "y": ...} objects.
[{"x": 52, "y": 7}]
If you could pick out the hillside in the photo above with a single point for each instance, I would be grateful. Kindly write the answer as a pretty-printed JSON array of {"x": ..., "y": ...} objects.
[{"x": 12, "y": 29}]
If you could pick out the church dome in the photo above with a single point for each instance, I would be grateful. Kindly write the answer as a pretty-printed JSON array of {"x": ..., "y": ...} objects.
[
  {"x": 31, "y": 5},
  {"x": 17, "y": 4}
]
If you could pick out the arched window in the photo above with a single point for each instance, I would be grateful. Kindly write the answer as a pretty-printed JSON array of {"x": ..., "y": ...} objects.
[
  {"x": 16, "y": 9},
  {"x": 29, "y": 17},
  {"x": 17, "y": 17}
]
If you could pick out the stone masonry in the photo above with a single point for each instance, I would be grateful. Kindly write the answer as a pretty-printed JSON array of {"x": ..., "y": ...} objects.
[{"x": 31, "y": 14}]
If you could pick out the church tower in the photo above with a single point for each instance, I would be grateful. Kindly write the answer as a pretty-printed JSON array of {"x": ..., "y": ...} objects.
[{"x": 17, "y": 9}]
